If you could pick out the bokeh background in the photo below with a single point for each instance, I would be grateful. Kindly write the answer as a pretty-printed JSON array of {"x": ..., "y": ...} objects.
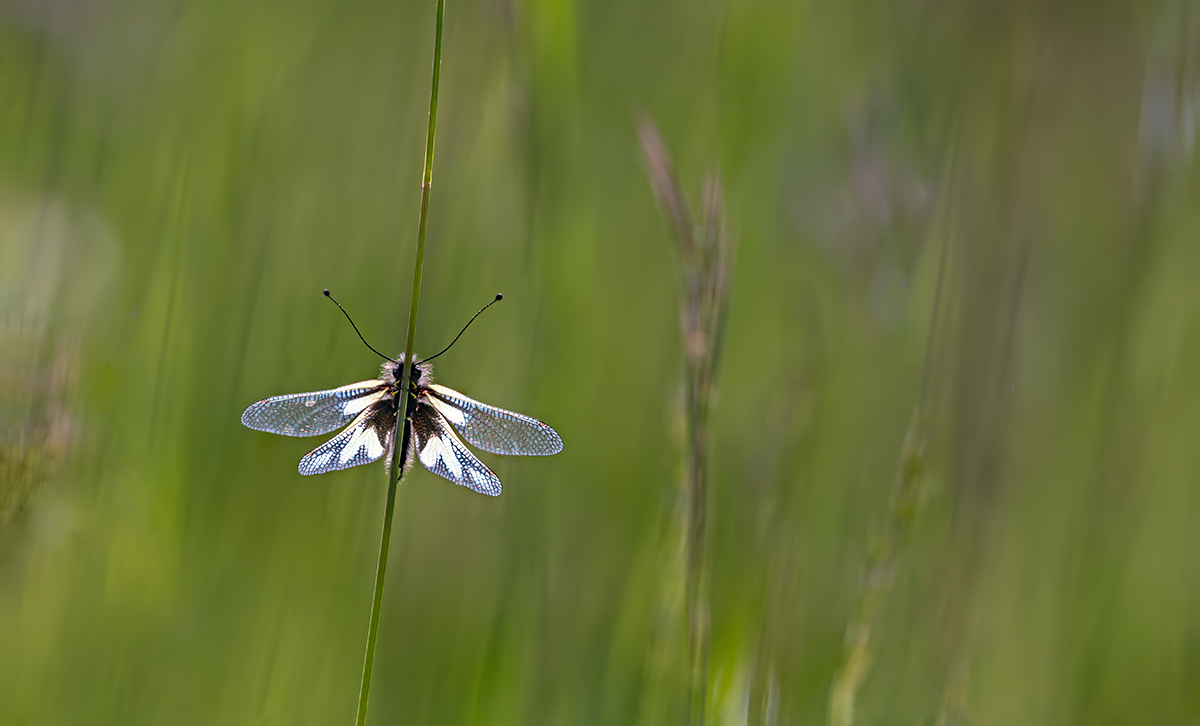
[{"x": 972, "y": 227}]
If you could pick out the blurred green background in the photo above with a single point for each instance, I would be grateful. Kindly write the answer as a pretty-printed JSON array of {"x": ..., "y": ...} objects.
[{"x": 179, "y": 180}]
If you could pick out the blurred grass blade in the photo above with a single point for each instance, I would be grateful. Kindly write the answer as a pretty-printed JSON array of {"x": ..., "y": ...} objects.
[
  {"x": 704, "y": 262},
  {"x": 876, "y": 584}
]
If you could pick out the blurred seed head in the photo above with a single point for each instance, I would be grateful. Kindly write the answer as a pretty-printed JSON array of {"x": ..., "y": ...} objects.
[
  {"x": 38, "y": 375},
  {"x": 56, "y": 261}
]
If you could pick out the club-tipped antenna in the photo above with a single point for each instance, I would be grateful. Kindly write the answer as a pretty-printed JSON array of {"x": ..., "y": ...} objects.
[
  {"x": 498, "y": 298},
  {"x": 360, "y": 335}
]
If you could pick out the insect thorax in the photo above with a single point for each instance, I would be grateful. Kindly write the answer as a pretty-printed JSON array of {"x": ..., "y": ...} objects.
[{"x": 421, "y": 375}]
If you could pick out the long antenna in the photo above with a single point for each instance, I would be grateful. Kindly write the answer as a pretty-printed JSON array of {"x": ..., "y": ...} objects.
[
  {"x": 360, "y": 335},
  {"x": 498, "y": 298}
]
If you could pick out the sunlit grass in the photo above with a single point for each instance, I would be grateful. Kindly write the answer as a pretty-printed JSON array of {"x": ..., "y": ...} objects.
[{"x": 164, "y": 567}]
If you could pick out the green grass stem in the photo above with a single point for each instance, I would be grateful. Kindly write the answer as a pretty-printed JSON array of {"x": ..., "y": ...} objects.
[
  {"x": 886, "y": 546},
  {"x": 395, "y": 470},
  {"x": 704, "y": 262}
]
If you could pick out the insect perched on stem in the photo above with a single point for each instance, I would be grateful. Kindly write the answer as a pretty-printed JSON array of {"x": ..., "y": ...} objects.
[{"x": 433, "y": 414}]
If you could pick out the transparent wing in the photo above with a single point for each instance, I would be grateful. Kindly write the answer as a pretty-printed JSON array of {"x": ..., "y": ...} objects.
[
  {"x": 494, "y": 429},
  {"x": 313, "y": 414},
  {"x": 367, "y": 439},
  {"x": 441, "y": 452}
]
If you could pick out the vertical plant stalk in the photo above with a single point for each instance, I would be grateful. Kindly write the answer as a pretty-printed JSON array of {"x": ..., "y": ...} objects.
[
  {"x": 885, "y": 546},
  {"x": 394, "y": 468},
  {"x": 704, "y": 263},
  {"x": 883, "y": 556}
]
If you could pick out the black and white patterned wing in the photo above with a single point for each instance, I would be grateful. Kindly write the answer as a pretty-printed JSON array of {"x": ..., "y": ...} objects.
[
  {"x": 440, "y": 451},
  {"x": 313, "y": 414},
  {"x": 494, "y": 429},
  {"x": 368, "y": 438}
]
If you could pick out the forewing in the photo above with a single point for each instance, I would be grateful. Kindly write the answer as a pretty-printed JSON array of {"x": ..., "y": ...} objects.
[
  {"x": 441, "y": 452},
  {"x": 494, "y": 429},
  {"x": 367, "y": 439},
  {"x": 313, "y": 414}
]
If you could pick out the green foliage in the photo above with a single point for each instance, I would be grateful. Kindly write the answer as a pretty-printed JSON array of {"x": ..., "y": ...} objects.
[{"x": 179, "y": 181}]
